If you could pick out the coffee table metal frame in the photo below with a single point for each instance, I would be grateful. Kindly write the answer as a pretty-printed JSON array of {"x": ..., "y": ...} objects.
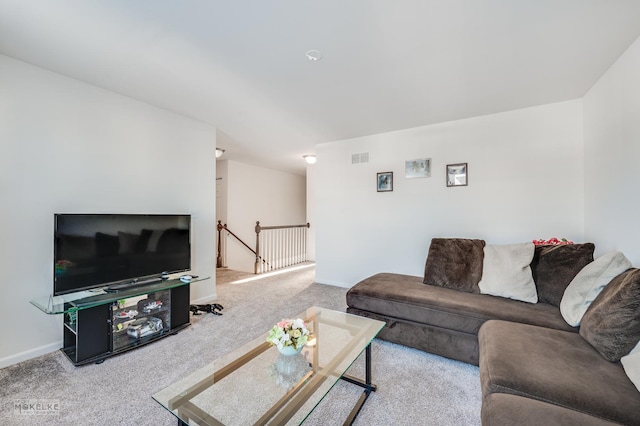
[{"x": 182, "y": 407}]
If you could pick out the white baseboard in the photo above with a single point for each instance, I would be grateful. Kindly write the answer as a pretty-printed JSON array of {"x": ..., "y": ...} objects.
[
  {"x": 31, "y": 353},
  {"x": 206, "y": 299},
  {"x": 333, "y": 283}
]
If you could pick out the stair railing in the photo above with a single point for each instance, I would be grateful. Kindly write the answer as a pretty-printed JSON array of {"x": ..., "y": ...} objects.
[
  {"x": 278, "y": 247},
  {"x": 221, "y": 227}
]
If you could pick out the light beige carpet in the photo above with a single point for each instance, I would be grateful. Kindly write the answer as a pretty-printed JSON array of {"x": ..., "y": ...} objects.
[{"x": 414, "y": 388}]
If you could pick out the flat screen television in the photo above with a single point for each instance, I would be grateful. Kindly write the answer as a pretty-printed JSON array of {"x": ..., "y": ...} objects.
[{"x": 99, "y": 250}]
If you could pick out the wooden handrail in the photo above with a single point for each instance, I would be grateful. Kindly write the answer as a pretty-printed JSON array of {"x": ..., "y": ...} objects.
[
  {"x": 221, "y": 227},
  {"x": 259, "y": 227}
]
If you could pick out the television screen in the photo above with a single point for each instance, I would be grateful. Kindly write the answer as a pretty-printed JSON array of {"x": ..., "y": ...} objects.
[{"x": 95, "y": 250}]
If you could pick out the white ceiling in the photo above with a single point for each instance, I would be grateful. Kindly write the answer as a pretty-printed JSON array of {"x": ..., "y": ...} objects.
[{"x": 240, "y": 65}]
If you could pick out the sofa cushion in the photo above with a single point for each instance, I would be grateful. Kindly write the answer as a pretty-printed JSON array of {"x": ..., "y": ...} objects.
[
  {"x": 503, "y": 409},
  {"x": 506, "y": 272},
  {"x": 554, "y": 366},
  {"x": 553, "y": 268},
  {"x": 455, "y": 263},
  {"x": 405, "y": 297},
  {"x": 589, "y": 282},
  {"x": 612, "y": 322},
  {"x": 433, "y": 339}
]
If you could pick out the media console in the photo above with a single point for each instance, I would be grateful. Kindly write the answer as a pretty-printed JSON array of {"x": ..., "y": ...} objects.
[{"x": 99, "y": 324}]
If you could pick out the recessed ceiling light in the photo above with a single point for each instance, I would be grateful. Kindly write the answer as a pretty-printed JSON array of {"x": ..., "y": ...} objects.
[{"x": 314, "y": 55}]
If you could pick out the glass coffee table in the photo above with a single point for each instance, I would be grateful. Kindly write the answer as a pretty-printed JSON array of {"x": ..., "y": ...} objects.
[{"x": 256, "y": 385}]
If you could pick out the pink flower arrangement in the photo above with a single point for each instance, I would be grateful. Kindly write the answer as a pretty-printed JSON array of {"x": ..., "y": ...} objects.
[
  {"x": 552, "y": 242},
  {"x": 289, "y": 332}
]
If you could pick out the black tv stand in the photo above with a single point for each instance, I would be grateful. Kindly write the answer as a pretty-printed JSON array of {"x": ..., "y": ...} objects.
[
  {"x": 98, "y": 325},
  {"x": 115, "y": 288}
]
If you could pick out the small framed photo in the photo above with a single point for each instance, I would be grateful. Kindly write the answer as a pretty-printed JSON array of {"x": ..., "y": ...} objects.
[
  {"x": 420, "y": 168},
  {"x": 384, "y": 181},
  {"x": 457, "y": 174}
]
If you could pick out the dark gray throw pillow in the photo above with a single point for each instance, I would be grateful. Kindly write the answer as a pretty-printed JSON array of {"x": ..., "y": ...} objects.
[
  {"x": 455, "y": 263},
  {"x": 612, "y": 322},
  {"x": 553, "y": 268}
]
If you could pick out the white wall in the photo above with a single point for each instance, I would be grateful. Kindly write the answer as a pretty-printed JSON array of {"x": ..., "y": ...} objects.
[
  {"x": 525, "y": 182},
  {"x": 221, "y": 207},
  {"x": 311, "y": 212},
  {"x": 612, "y": 150},
  {"x": 259, "y": 194},
  {"x": 66, "y": 146},
  {"x": 221, "y": 191}
]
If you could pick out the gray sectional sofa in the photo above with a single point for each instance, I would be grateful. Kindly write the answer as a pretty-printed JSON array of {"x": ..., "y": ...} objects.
[{"x": 534, "y": 367}]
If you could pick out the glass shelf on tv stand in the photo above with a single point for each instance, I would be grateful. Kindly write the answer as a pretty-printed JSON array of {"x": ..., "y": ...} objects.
[{"x": 71, "y": 302}]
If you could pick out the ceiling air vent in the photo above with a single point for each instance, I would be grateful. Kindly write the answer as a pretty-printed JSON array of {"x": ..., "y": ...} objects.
[{"x": 362, "y": 157}]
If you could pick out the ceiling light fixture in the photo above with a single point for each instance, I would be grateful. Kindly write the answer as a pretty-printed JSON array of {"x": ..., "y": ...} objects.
[
  {"x": 310, "y": 158},
  {"x": 314, "y": 55},
  {"x": 219, "y": 152}
]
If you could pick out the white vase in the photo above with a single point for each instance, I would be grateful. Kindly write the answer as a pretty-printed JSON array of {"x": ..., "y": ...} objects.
[{"x": 289, "y": 350}]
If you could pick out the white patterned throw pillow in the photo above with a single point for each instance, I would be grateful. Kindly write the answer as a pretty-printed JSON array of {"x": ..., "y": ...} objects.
[
  {"x": 506, "y": 272},
  {"x": 588, "y": 283}
]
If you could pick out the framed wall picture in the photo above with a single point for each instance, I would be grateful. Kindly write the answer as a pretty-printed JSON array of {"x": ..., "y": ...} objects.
[
  {"x": 419, "y": 168},
  {"x": 457, "y": 174},
  {"x": 384, "y": 181}
]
